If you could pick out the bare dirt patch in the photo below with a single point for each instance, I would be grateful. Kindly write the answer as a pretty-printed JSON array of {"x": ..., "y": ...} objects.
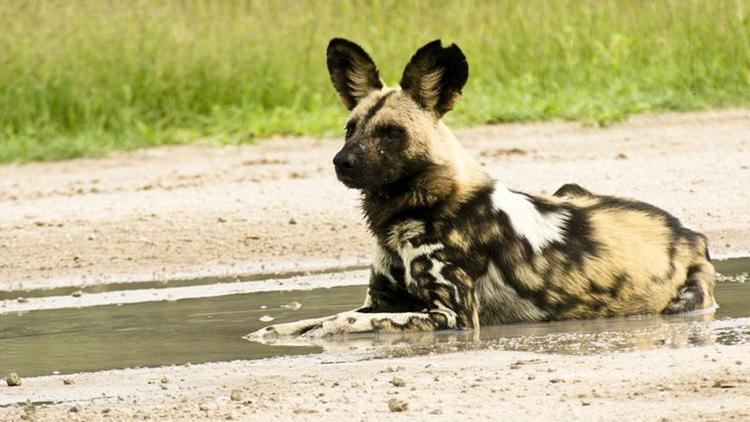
[{"x": 668, "y": 384}]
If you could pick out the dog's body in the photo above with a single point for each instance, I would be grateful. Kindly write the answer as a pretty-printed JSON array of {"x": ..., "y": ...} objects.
[{"x": 457, "y": 250}]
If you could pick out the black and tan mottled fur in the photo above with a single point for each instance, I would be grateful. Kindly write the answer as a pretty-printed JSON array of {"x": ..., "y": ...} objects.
[{"x": 456, "y": 250}]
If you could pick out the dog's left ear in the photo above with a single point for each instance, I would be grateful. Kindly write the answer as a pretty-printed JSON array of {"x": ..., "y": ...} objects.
[
  {"x": 435, "y": 76},
  {"x": 353, "y": 73}
]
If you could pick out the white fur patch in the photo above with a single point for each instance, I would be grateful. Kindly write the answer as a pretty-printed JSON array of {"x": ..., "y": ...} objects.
[
  {"x": 382, "y": 265},
  {"x": 540, "y": 229}
]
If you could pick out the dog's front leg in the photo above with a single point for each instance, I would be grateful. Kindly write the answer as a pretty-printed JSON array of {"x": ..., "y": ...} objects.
[{"x": 359, "y": 322}]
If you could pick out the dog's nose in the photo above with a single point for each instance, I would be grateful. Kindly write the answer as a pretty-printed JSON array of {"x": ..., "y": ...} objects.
[{"x": 344, "y": 160}]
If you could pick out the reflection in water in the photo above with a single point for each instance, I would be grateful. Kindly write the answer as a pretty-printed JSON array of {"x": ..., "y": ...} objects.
[
  {"x": 211, "y": 329},
  {"x": 566, "y": 337}
]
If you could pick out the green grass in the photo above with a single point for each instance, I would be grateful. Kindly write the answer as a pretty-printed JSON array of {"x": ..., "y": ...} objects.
[{"x": 89, "y": 76}]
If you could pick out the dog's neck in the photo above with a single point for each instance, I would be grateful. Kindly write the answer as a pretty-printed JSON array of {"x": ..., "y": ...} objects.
[{"x": 439, "y": 188}]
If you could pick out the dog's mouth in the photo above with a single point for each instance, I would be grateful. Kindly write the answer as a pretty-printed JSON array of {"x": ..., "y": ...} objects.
[{"x": 350, "y": 180}]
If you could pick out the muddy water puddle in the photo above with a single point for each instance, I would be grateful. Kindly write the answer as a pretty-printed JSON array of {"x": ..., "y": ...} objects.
[{"x": 210, "y": 329}]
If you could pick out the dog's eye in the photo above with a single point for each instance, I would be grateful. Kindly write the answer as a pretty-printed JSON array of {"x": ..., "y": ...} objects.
[
  {"x": 351, "y": 126},
  {"x": 392, "y": 133}
]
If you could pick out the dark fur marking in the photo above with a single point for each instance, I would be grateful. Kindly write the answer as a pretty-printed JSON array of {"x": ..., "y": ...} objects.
[
  {"x": 686, "y": 304},
  {"x": 351, "y": 127},
  {"x": 411, "y": 324},
  {"x": 618, "y": 284},
  {"x": 580, "y": 240},
  {"x": 375, "y": 108},
  {"x": 311, "y": 328},
  {"x": 386, "y": 297}
]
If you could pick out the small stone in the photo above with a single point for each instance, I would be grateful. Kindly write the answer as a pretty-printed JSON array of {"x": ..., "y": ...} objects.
[
  {"x": 556, "y": 380},
  {"x": 236, "y": 395},
  {"x": 165, "y": 379},
  {"x": 163, "y": 386},
  {"x": 29, "y": 413},
  {"x": 13, "y": 380},
  {"x": 292, "y": 221},
  {"x": 221, "y": 220},
  {"x": 266, "y": 318},
  {"x": 396, "y": 405},
  {"x": 204, "y": 407},
  {"x": 77, "y": 293},
  {"x": 68, "y": 381},
  {"x": 723, "y": 384},
  {"x": 22, "y": 300},
  {"x": 75, "y": 409},
  {"x": 398, "y": 382}
]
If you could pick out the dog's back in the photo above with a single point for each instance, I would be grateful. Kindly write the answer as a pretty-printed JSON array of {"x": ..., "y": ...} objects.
[{"x": 602, "y": 256}]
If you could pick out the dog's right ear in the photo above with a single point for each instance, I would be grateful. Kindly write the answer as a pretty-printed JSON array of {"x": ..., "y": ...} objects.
[{"x": 353, "y": 73}]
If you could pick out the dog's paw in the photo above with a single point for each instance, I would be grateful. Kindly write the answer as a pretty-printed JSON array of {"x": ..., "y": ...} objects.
[
  {"x": 274, "y": 333},
  {"x": 264, "y": 335}
]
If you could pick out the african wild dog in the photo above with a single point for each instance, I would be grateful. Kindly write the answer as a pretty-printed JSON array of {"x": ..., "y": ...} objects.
[{"x": 457, "y": 250}]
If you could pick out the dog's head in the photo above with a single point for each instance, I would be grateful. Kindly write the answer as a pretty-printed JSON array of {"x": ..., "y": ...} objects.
[{"x": 394, "y": 134}]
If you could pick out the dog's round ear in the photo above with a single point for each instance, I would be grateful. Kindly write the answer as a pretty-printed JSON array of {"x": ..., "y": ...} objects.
[
  {"x": 435, "y": 76},
  {"x": 353, "y": 73}
]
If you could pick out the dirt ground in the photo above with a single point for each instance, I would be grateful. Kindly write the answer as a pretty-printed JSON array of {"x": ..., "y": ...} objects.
[
  {"x": 190, "y": 211},
  {"x": 708, "y": 383}
]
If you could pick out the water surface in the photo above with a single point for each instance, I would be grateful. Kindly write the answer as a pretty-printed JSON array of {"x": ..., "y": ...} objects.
[{"x": 210, "y": 329}]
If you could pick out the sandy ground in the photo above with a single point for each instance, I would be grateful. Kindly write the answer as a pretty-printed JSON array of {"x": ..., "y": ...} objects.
[
  {"x": 708, "y": 383},
  {"x": 191, "y": 211}
]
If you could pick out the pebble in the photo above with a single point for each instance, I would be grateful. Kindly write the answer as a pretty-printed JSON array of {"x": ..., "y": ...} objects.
[
  {"x": 68, "y": 381},
  {"x": 396, "y": 405},
  {"x": 398, "y": 382},
  {"x": 13, "y": 380},
  {"x": 266, "y": 318},
  {"x": 236, "y": 395},
  {"x": 77, "y": 293}
]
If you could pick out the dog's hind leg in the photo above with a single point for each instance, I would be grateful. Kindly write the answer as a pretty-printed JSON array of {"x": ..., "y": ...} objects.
[{"x": 698, "y": 291}]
